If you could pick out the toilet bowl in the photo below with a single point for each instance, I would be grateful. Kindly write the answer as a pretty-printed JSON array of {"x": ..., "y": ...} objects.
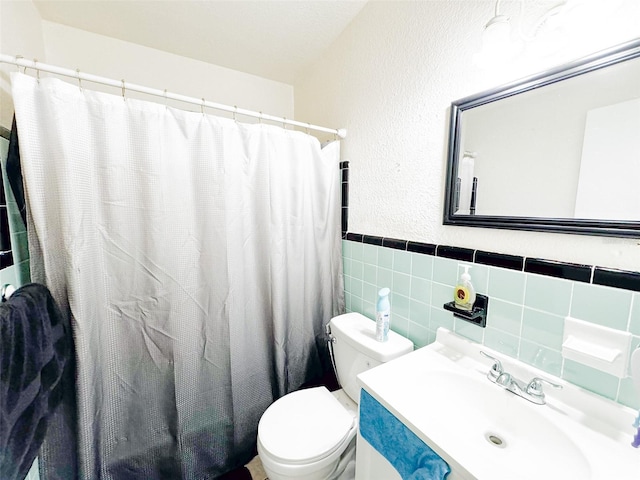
[{"x": 310, "y": 434}]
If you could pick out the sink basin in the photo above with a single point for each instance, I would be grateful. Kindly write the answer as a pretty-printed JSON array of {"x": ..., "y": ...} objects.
[
  {"x": 504, "y": 429},
  {"x": 441, "y": 393}
]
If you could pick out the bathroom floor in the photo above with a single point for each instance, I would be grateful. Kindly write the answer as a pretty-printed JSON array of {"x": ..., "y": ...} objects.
[{"x": 253, "y": 470}]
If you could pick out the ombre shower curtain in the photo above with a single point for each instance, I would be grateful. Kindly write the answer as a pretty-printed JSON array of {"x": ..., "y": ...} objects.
[{"x": 198, "y": 259}]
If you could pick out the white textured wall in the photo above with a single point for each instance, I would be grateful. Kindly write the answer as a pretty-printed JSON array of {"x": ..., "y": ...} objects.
[
  {"x": 20, "y": 34},
  {"x": 390, "y": 79},
  {"x": 92, "y": 53}
]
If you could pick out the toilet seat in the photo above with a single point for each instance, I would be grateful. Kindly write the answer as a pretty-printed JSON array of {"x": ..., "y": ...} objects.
[{"x": 305, "y": 426}]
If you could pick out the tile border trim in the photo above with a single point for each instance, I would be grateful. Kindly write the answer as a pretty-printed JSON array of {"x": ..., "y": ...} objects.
[{"x": 609, "y": 277}]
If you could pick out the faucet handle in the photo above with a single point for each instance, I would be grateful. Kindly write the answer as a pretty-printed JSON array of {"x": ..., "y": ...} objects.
[
  {"x": 535, "y": 387},
  {"x": 496, "y": 368}
]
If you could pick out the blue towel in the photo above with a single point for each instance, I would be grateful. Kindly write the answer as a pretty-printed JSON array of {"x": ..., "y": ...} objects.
[
  {"x": 35, "y": 347},
  {"x": 410, "y": 456}
]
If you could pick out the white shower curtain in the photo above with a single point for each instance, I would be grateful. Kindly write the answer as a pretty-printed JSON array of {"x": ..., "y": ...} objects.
[{"x": 198, "y": 259}]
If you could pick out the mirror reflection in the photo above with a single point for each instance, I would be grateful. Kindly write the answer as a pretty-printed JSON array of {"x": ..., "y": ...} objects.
[{"x": 559, "y": 149}]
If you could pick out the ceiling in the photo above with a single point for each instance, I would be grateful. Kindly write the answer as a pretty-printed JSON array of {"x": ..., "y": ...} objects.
[{"x": 274, "y": 39}]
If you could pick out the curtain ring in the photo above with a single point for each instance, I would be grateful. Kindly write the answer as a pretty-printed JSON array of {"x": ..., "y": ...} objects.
[
  {"x": 202, "y": 106},
  {"x": 308, "y": 129},
  {"x": 260, "y": 118},
  {"x": 235, "y": 110},
  {"x": 79, "y": 79},
  {"x": 18, "y": 58},
  {"x": 123, "y": 89},
  {"x": 165, "y": 99},
  {"x": 284, "y": 122}
]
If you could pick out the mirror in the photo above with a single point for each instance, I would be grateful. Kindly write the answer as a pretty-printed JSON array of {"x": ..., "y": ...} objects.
[{"x": 558, "y": 151}]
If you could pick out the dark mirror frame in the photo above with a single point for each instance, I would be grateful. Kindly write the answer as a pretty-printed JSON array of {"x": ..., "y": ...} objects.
[{"x": 603, "y": 59}]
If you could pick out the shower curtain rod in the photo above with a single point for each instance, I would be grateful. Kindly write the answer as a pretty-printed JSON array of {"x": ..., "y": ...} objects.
[{"x": 78, "y": 75}]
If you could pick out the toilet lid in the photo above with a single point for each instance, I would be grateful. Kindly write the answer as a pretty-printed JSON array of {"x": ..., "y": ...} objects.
[{"x": 304, "y": 426}]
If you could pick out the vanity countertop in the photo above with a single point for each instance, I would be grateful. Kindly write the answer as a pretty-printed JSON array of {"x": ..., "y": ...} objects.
[{"x": 484, "y": 432}]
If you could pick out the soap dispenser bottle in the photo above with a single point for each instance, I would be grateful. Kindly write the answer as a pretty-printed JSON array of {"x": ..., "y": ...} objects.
[{"x": 464, "y": 295}]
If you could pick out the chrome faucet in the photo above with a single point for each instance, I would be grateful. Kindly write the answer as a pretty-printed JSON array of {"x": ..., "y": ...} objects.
[{"x": 532, "y": 391}]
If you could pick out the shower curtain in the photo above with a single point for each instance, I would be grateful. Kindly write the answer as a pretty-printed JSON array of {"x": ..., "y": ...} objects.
[{"x": 198, "y": 260}]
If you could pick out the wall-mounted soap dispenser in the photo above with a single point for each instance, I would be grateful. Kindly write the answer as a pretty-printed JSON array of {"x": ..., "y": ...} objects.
[{"x": 467, "y": 304}]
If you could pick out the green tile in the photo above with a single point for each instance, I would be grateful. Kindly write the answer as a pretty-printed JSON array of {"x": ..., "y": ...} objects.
[
  {"x": 469, "y": 330},
  {"x": 502, "y": 342},
  {"x": 370, "y": 254},
  {"x": 369, "y": 292},
  {"x": 24, "y": 273},
  {"x": 541, "y": 357},
  {"x": 356, "y": 251},
  {"x": 356, "y": 287},
  {"x": 356, "y": 304},
  {"x": 440, "y": 318},
  {"x": 402, "y": 261},
  {"x": 504, "y": 316},
  {"x": 422, "y": 265},
  {"x": 368, "y": 309},
  {"x": 419, "y": 313},
  {"x": 399, "y": 324},
  {"x": 542, "y": 328},
  {"x": 346, "y": 248},
  {"x": 385, "y": 257},
  {"x": 552, "y": 295},
  {"x": 594, "y": 380},
  {"x": 400, "y": 305},
  {"x": 401, "y": 284},
  {"x": 628, "y": 394},
  {"x": 347, "y": 284},
  {"x": 506, "y": 285},
  {"x": 9, "y": 275},
  {"x": 419, "y": 335},
  {"x": 20, "y": 246},
  {"x": 441, "y": 294},
  {"x": 445, "y": 271},
  {"x": 605, "y": 306},
  {"x": 347, "y": 302},
  {"x": 357, "y": 269},
  {"x": 370, "y": 273},
  {"x": 421, "y": 289},
  {"x": 385, "y": 278},
  {"x": 634, "y": 325},
  {"x": 346, "y": 265}
]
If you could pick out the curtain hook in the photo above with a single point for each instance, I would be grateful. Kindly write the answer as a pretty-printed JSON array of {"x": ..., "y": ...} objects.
[
  {"x": 35, "y": 65},
  {"x": 284, "y": 122},
  {"x": 308, "y": 129},
  {"x": 18, "y": 58},
  {"x": 202, "y": 106},
  {"x": 260, "y": 118},
  {"x": 79, "y": 79},
  {"x": 123, "y": 89},
  {"x": 235, "y": 110},
  {"x": 165, "y": 99}
]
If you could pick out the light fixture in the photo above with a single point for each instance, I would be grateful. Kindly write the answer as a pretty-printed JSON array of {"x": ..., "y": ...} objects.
[
  {"x": 497, "y": 42},
  {"x": 500, "y": 43}
]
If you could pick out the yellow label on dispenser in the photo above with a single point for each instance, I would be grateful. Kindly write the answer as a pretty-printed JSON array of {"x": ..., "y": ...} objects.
[{"x": 461, "y": 297}]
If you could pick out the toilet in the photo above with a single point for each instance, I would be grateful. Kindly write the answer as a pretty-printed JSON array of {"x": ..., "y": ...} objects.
[{"x": 310, "y": 434}]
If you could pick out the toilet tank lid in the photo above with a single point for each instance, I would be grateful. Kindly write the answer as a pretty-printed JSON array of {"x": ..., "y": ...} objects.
[{"x": 360, "y": 331}]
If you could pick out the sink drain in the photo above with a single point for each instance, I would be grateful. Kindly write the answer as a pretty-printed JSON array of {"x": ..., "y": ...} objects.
[{"x": 495, "y": 440}]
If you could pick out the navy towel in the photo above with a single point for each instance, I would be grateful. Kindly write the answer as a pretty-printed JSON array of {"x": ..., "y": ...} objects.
[
  {"x": 35, "y": 347},
  {"x": 410, "y": 456}
]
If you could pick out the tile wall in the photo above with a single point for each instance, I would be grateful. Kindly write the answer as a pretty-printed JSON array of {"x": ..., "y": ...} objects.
[{"x": 528, "y": 300}]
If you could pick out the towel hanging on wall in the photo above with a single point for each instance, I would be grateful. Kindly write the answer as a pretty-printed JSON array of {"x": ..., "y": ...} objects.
[{"x": 35, "y": 349}]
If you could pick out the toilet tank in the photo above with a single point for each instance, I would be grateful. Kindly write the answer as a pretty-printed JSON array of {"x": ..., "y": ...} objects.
[{"x": 355, "y": 349}]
